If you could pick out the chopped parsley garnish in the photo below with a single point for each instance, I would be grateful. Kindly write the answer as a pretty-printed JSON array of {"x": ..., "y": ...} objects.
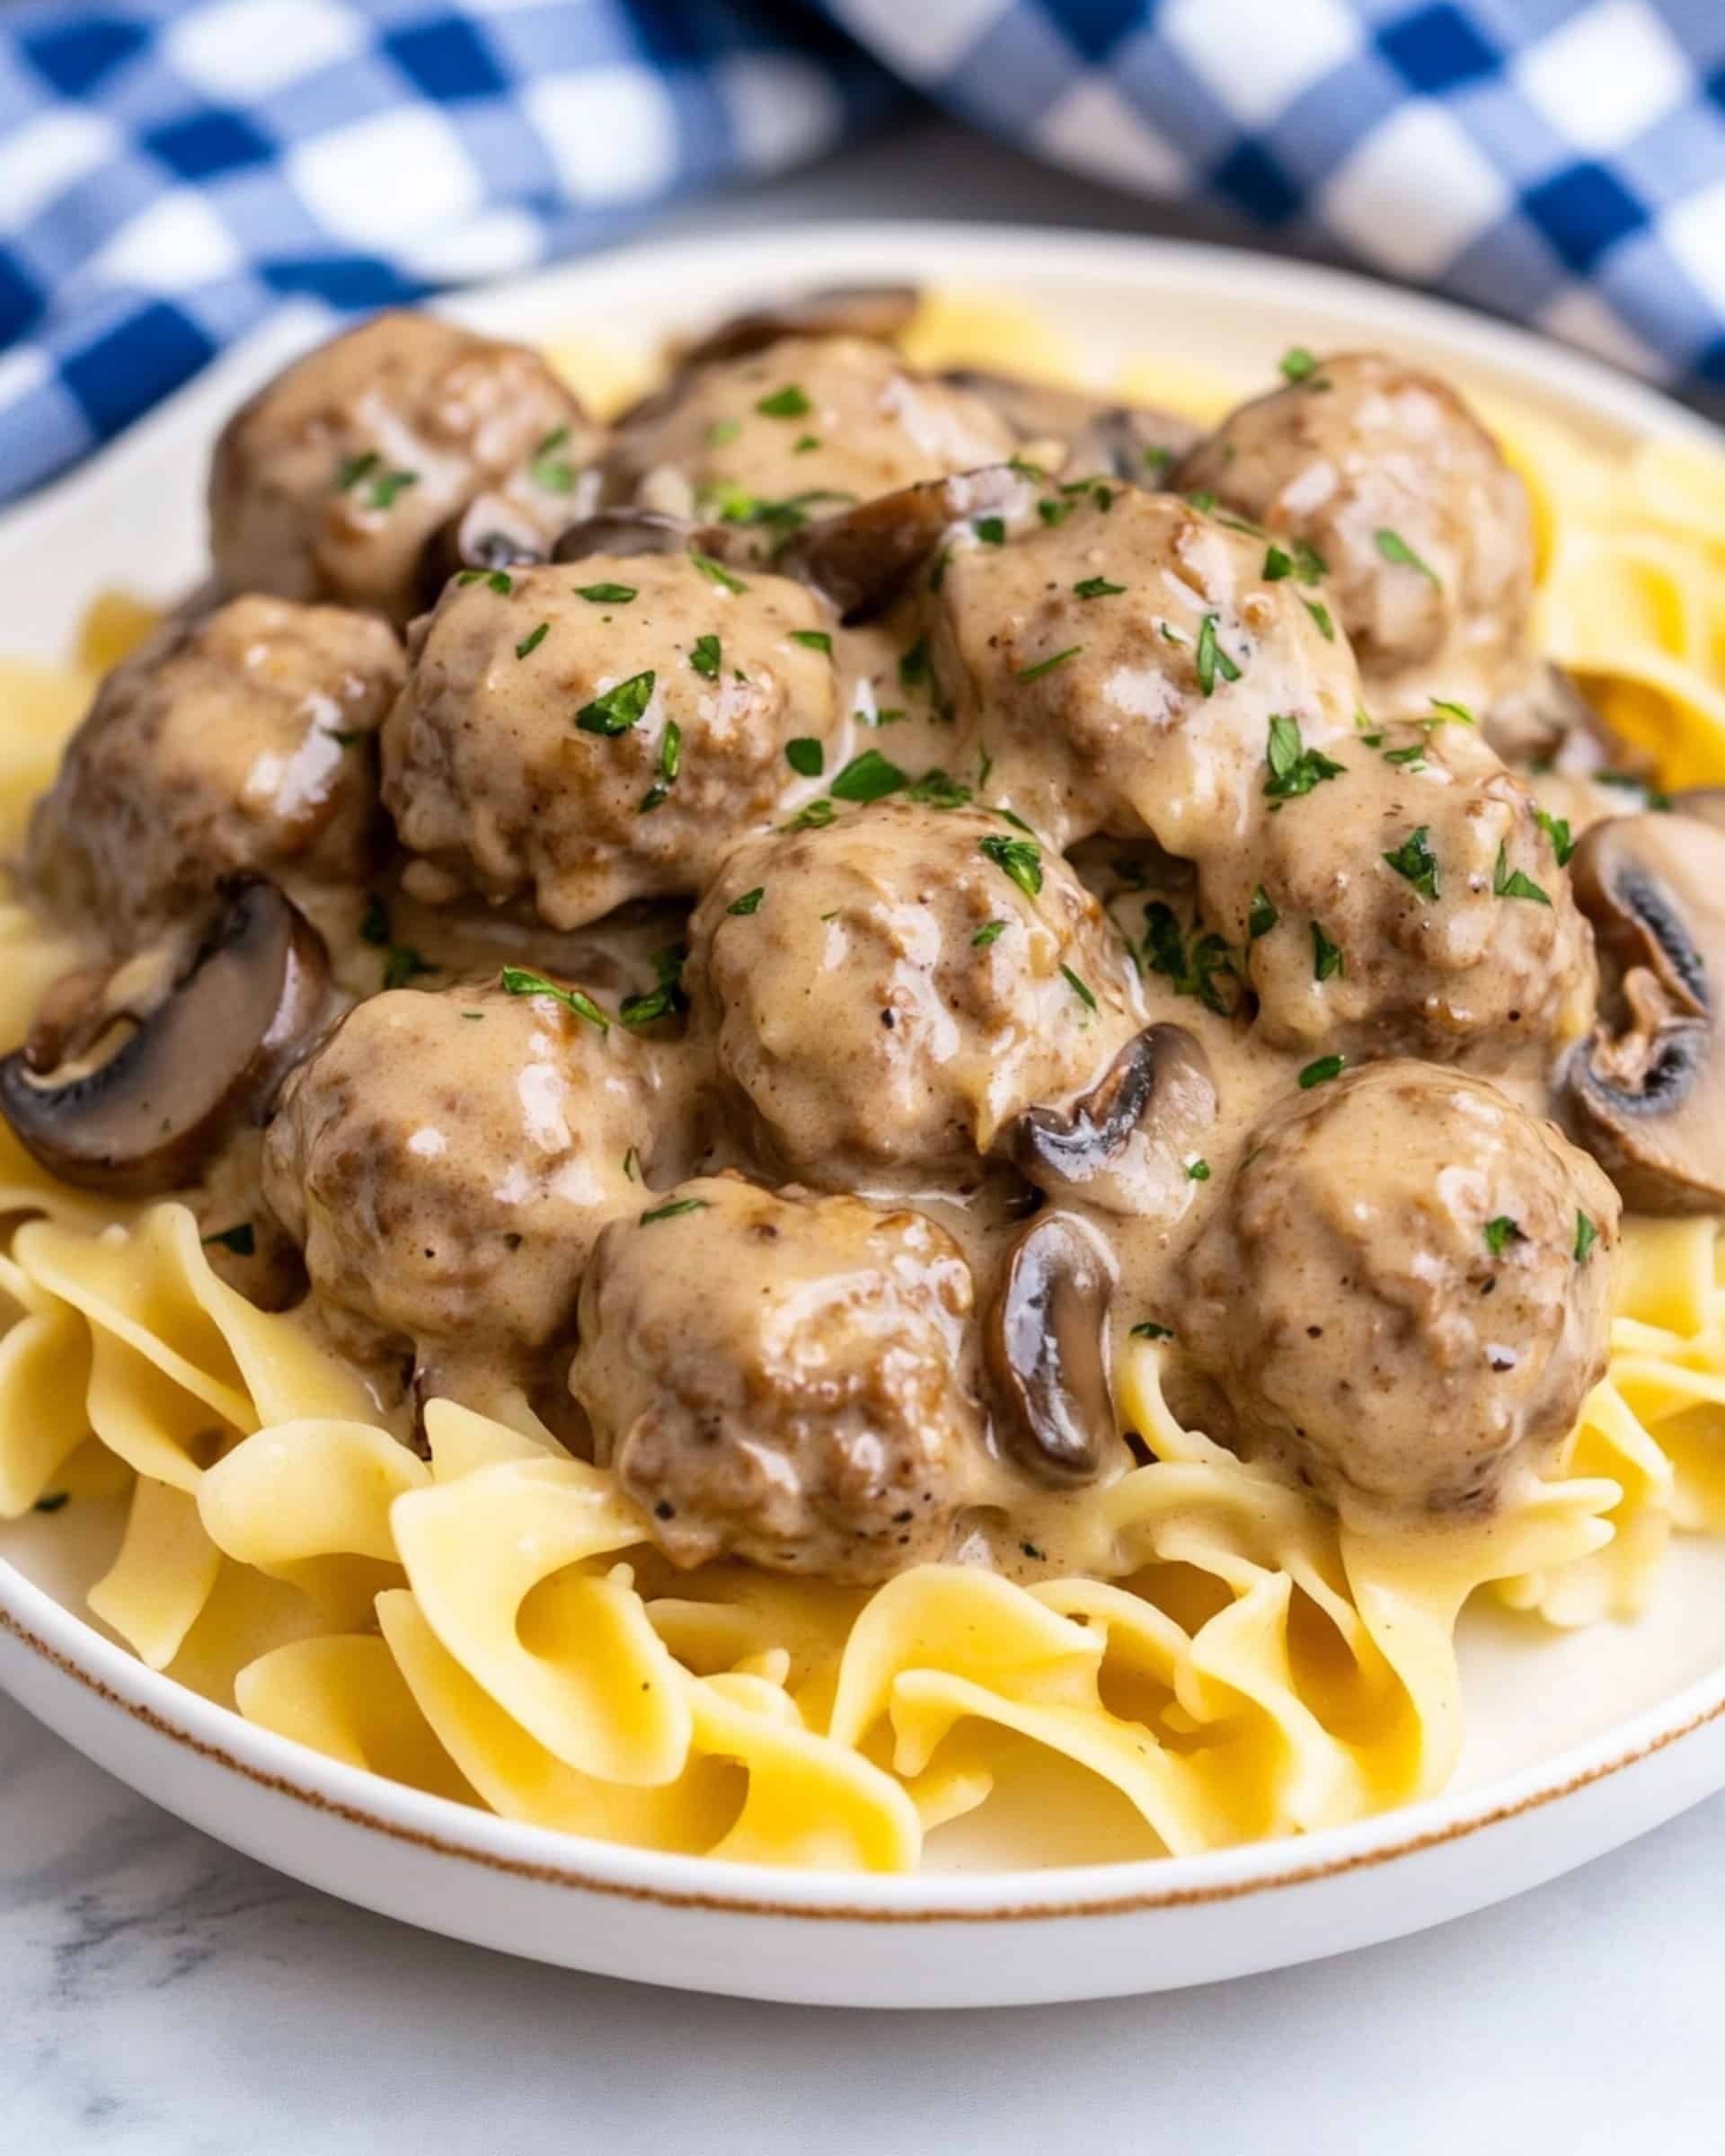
[
  {"x": 1448, "y": 709},
  {"x": 1277, "y": 565},
  {"x": 1322, "y": 1072},
  {"x": 632, "y": 1165},
  {"x": 620, "y": 707},
  {"x": 1511, "y": 883},
  {"x": 1157, "y": 457},
  {"x": 1097, "y": 588},
  {"x": 1557, "y": 829},
  {"x": 402, "y": 964},
  {"x": 815, "y": 816},
  {"x": 1327, "y": 959},
  {"x": 1309, "y": 564},
  {"x": 1297, "y": 363},
  {"x": 914, "y": 666},
  {"x": 1047, "y": 665},
  {"x": 351, "y": 470},
  {"x": 1202, "y": 501},
  {"x": 1211, "y": 658},
  {"x": 1019, "y": 858},
  {"x": 1080, "y": 988},
  {"x": 804, "y": 442},
  {"x": 1054, "y": 511},
  {"x": 54, "y": 1501},
  {"x": 990, "y": 530},
  {"x": 868, "y": 777},
  {"x": 706, "y": 656},
  {"x": 715, "y": 572},
  {"x": 532, "y": 641},
  {"x": 722, "y": 431},
  {"x": 387, "y": 485},
  {"x": 1199, "y": 971},
  {"x": 814, "y": 639},
  {"x": 606, "y": 595},
  {"x": 1585, "y": 1236},
  {"x": 937, "y": 575},
  {"x": 750, "y": 901},
  {"x": 242, "y": 1241},
  {"x": 498, "y": 580},
  {"x": 1415, "y": 860},
  {"x": 1321, "y": 615},
  {"x": 1394, "y": 548},
  {"x": 938, "y": 788},
  {"x": 786, "y": 403},
  {"x": 987, "y": 934},
  {"x": 1262, "y": 916},
  {"x": 805, "y": 757},
  {"x": 554, "y": 474},
  {"x": 676, "y": 1207},
  {"x": 1500, "y": 1233},
  {"x": 1170, "y": 635},
  {"x": 664, "y": 1001},
  {"x": 477, "y": 1017},
  {"x": 373, "y": 922},
  {"x": 1150, "y": 1331},
  {"x": 1294, "y": 769},
  {"x": 1413, "y": 756},
  {"x": 1197, "y": 1171},
  {"x": 517, "y": 980}
]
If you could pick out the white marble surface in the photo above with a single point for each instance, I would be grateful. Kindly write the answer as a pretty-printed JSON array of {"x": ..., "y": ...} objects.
[{"x": 159, "y": 1996}]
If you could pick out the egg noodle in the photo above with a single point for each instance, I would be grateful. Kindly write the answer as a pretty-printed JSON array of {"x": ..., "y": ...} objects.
[{"x": 494, "y": 1626}]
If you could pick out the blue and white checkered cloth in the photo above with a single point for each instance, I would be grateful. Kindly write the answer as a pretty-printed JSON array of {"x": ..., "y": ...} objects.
[{"x": 171, "y": 169}]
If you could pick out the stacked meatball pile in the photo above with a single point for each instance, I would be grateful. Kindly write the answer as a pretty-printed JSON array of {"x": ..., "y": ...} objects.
[{"x": 955, "y": 895}]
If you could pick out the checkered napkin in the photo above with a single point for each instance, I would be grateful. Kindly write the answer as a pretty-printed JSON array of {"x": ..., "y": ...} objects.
[
  {"x": 171, "y": 169},
  {"x": 1560, "y": 161}
]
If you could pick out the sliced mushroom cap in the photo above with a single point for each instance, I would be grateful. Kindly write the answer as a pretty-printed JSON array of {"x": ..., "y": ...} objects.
[
  {"x": 1646, "y": 1094},
  {"x": 1043, "y": 1345},
  {"x": 491, "y": 533},
  {"x": 629, "y": 531},
  {"x": 1130, "y": 441},
  {"x": 211, "y": 1051},
  {"x": 863, "y": 557},
  {"x": 1125, "y": 1144},
  {"x": 877, "y": 311}
]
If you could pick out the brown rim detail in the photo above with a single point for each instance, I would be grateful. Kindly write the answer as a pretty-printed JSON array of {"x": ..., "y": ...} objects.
[{"x": 1123, "y": 1904}]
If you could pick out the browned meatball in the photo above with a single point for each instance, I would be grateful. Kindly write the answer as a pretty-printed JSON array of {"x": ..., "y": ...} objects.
[
  {"x": 1121, "y": 667},
  {"x": 603, "y": 730},
  {"x": 886, "y": 995},
  {"x": 446, "y": 1161},
  {"x": 329, "y": 482},
  {"x": 1423, "y": 531},
  {"x": 778, "y": 1378},
  {"x": 237, "y": 741},
  {"x": 1409, "y": 903},
  {"x": 813, "y": 422},
  {"x": 1406, "y": 1290}
]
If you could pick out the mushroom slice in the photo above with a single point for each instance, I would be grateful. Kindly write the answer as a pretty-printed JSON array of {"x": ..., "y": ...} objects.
[
  {"x": 1126, "y": 441},
  {"x": 628, "y": 530},
  {"x": 208, "y": 1052},
  {"x": 491, "y": 533},
  {"x": 1043, "y": 1346},
  {"x": 1125, "y": 1145},
  {"x": 863, "y": 557},
  {"x": 875, "y": 311},
  {"x": 1646, "y": 1092}
]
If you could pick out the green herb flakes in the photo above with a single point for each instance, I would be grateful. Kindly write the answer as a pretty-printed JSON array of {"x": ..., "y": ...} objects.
[
  {"x": 805, "y": 757},
  {"x": 1047, "y": 665},
  {"x": 1018, "y": 858},
  {"x": 1149, "y": 1330},
  {"x": 868, "y": 777},
  {"x": 242, "y": 1241},
  {"x": 532, "y": 641},
  {"x": 1394, "y": 548},
  {"x": 674, "y": 1210},
  {"x": 1262, "y": 916},
  {"x": 518, "y": 980},
  {"x": 1511, "y": 883},
  {"x": 1080, "y": 988},
  {"x": 1500, "y": 1233},
  {"x": 606, "y": 595},
  {"x": 554, "y": 474},
  {"x": 787, "y": 403},
  {"x": 1585, "y": 1236},
  {"x": 1322, "y": 1072},
  {"x": 706, "y": 656},
  {"x": 1415, "y": 860},
  {"x": 990, "y": 530},
  {"x": 1557, "y": 829},
  {"x": 989, "y": 932},
  {"x": 1211, "y": 659},
  {"x": 1327, "y": 959},
  {"x": 749, "y": 903},
  {"x": 1294, "y": 769},
  {"x": 715, "y": 572},
  {"x": 619, "y": 708},
  {"x": 813, "y": 639},
  {"x": 1097, "y": 588},
  {"x": 402, "y": 964}
]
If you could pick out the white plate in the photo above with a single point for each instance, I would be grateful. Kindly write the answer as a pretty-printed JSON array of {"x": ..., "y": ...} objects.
[{"x": 1575, "y": 1743}]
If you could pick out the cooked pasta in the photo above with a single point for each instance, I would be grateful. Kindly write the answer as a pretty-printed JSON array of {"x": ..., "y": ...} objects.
[{"x": 1220, "y": 1653}]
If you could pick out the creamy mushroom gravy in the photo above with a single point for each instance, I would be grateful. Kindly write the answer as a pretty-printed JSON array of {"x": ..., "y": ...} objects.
[{"x": 1087, "y": 937}]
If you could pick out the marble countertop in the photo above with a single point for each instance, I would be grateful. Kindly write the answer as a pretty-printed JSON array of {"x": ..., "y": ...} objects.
[{"x": 161, "y": 1996}]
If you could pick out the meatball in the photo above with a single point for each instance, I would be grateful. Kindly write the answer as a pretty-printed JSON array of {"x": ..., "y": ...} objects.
[
  {"x": 602, "y": 730},
  {"x": 1121, "y": 666},
  {"x": 446, "y": 1161},
  {"x": 778, "y": 1378},
  {"x": 329, "y": 482},
  {"x": 1409, "y": 902},
  {"x": 1405, "y": 1292},
  {"x": 1424, "y": 532},
  {"x": 239, "y": 741},
  {"x": 812, "y": 423},
  {"x": 886, "y": 995}
]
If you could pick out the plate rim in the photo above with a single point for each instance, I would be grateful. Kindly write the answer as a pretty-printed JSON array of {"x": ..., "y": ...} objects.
[{"x": 73, "y": 1646}]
